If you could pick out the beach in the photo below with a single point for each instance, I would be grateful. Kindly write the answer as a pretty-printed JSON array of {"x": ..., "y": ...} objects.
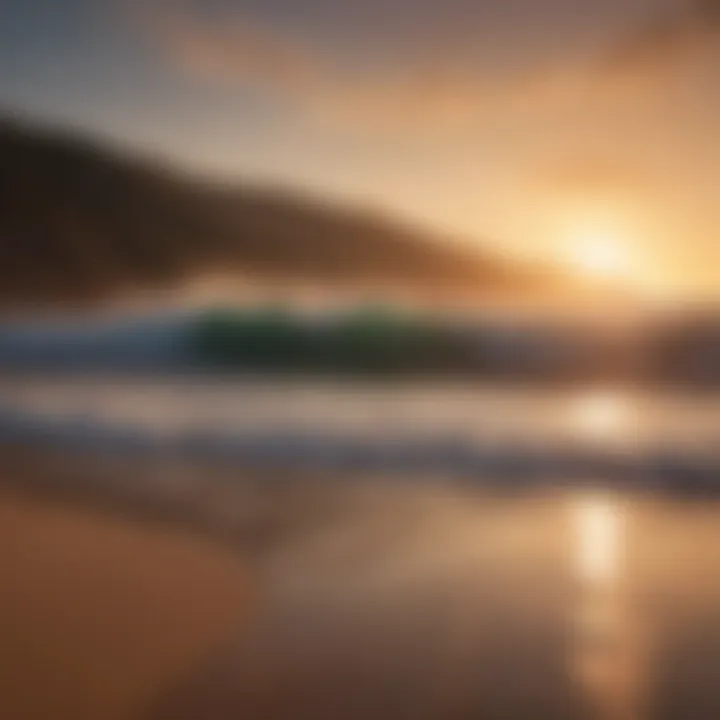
[
  {"x": 101, "y": 615},
  {"x": 140, "y": 590}
]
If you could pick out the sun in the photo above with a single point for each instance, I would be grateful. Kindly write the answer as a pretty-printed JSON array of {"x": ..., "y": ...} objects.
[{"x": 599, "y": 254}]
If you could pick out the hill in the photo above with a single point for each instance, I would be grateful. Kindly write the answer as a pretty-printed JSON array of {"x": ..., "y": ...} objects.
[{"x": 81, "y": 221}]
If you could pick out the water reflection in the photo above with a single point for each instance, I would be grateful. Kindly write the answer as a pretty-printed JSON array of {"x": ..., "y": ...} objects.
[
  {"x": 601, "y": 416},
  {"x": 609, "y": 654},
  {"x": 600, "y": 541}
]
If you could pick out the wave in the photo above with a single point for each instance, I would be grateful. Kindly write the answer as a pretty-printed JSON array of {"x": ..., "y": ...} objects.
[{"x": 506, "y": 463}]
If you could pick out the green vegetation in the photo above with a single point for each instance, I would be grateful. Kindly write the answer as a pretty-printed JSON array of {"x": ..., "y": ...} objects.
[
  {"x": 370, "y": 340},
  {"x": 265, "y": 339}
]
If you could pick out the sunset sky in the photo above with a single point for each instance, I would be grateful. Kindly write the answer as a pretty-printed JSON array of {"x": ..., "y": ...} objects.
[{"x": 579, "y": 131}]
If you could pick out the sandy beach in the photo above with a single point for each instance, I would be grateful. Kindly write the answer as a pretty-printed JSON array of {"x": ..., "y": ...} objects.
[
  {"x": 160, "y": 592},
  {"x": 100, "y": 616}
]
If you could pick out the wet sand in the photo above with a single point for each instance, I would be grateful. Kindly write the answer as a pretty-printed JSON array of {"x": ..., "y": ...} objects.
[
  {"x": 312, "y": 600},
  {"x": 203, "y": 593},
  {"x": 100, "y": 617}
]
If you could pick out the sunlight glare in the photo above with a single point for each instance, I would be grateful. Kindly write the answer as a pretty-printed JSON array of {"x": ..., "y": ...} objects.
[
  {"x": 598, "y": 253},
  {"x": 599, "y": 541},
  {"x": 600, "y": 415}
]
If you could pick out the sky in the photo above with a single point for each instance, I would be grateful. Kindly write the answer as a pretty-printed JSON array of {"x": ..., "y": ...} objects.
[{"x": 576, "y": 131}]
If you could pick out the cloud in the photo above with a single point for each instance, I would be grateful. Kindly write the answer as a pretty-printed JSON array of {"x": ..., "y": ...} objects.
[
  {"x": 429, "y": 85},
  {"x": 241, "y": 52},
  {"x": 429, "y": 88},
  {"x": 668, "y": 38},
  {"x": 238, "y": 50}
]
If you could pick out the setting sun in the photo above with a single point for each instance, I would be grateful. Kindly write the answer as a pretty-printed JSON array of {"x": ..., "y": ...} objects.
[{"x": 599, "y": 253}]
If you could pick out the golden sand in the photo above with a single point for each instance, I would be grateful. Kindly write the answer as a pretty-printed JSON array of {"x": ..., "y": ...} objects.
[{"x": 100, "y": 618}]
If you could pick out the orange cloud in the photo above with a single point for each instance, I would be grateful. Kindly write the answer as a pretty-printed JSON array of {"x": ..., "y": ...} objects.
[
  {"x": 238, "y": 51},
  {"x": 429, "y": 90},
  {"x": 242, "y": 52},
  {"x": 668, "y": 37}
]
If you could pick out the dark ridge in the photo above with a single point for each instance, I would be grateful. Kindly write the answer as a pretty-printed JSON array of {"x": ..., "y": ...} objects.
[{"x": 81, "y": 221}]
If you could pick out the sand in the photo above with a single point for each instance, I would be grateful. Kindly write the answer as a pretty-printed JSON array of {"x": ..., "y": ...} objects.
[{"x": 102, "y": 617}]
